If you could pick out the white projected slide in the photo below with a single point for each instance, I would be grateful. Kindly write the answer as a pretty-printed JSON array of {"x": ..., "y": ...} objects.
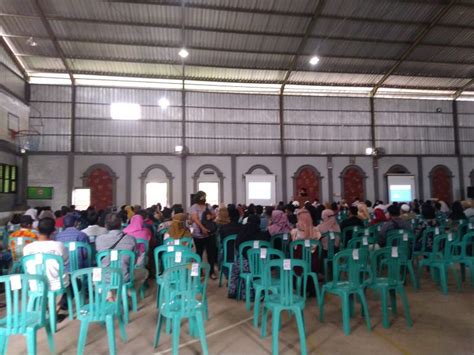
[
  {"x": 260, "y": 189},
  {"x": 401, "y": 188}
]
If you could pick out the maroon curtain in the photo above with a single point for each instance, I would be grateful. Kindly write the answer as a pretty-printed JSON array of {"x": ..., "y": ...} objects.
[
  {"x": 441, "y": 187},
  {"x": 101, "y": 184},
  {"x": 353, "y": 181},
  {"x": 309, "y": 179}
]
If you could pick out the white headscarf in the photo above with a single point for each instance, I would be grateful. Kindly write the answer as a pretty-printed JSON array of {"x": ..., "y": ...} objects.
[{"x": 33, "y": 213}]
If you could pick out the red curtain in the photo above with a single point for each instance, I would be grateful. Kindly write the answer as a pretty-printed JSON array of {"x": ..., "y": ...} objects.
[
  {"x": 353, "y": 183},
  {"x": 101, "y": 184},
  {"x": 441, "y": 184},
  {"x": 309, "y": 179}
]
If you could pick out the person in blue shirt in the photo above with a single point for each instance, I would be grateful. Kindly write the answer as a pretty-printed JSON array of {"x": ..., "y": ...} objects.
[{"x": 72, "y": 234}]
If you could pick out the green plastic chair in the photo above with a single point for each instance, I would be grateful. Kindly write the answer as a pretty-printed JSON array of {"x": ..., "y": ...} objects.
[
  {"x": 186, "y": 241},
  {"x": 182, "y": 296},
  {"x": 364, "y": 242},
  {"x": 246, "y": 276},
  {"x": 258, "y": 259},
  {"x": 228, "y": 242},
  {"x": 74, "y": 248},
  {"x": 331, "y": 238},
  {"x": 405, "y": 240},
  {"x": 429, "y": 232},
  {"x": 144, "y": 263},
  {"x": 18, "y": 244},
  {"x": 280, "y": 241},
  {"x": 307, "y": 248},
  {"x": 441, "y": 260},
  {"x": 466, "y": 259},
  {"x": 36, "y": 264},
  {"x": 390, "y": 283},
  {"x": 285, "y": 299},
  {"x": 25, "y": 298},
  {"x": 113, "y": 259},
  {"x": 161, "y": 235},
  {"x": 357, "y": 278},
  {"x": 348, "y": 233},
  {"x": 102, "y": 285}
]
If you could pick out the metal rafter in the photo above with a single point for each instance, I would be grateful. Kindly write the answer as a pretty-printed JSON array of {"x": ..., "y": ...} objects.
[
  {"x": 463, "y": 88},
  {"x": 14, "y": 58},
  {"x": 52, "y": 36},
  {"x": 415, "y": 43},
  {"x": 309, "y": 29}
]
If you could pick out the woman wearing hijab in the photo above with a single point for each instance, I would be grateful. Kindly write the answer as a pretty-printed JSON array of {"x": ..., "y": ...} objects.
[
  {"x": 363, "y": 212},
  {"x": 329, "y": 224},
  {"x": 379, "y": 216},
  {"x": 130, "y": 213},
  {"x": 222, "y": 216},
  {"x": 279, "y": 223},
  {"x": 457, "y": 212},
  {"x": 33, "y": 213},
  {"x": 136, "y": 230},
  {"x": 178, "y": 228}
]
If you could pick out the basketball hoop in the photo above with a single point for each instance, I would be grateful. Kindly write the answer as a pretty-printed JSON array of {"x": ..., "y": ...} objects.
[{"x": 28, "y": 139}]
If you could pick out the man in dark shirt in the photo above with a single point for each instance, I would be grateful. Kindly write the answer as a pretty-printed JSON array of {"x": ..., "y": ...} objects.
[
  {"x": 395, "y": 222},
  {"x": 234, "y": 227},
  {"x": 351, "y": 221}
]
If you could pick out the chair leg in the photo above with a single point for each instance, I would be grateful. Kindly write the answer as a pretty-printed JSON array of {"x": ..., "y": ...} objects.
[
  {"x": 123, "y": 333},
  {"x": 125, "y": 305},
  {"x": 52, "y": 311},
  {"x": 346, "y": 314},
  {"x": 81, "y": 344},
  {"x": 69, "y": 303},
  {"x": 275, "y": 329},
  {"x": 247, "y": 294},
  {"x": 321, "y": 307},
  {"x": 50, "y": 338},
  {"x": 443, "y": 279},
  {"x": 109, "y": 322},
  {"x": 158, "y": 331},
  {"x": 413, "y": 277},
  {"x": 264, "y": 321},
  {"x": 256, "y": 306},
  {"x": 384, "y": 299},
  {"x": 403, "y": 297},
  {"x": 393, "y": 301},
  {"x": 202, "y": 333},
  {"x": 221, "y": 272},
  {"x": 3, "y": 344},
  {"x": 301, "y": 329},
  {"x": 456, "y": 277},
  {"x": 351, "y": 305},
  {"x": 175, "y": 335},
  {"x": 133, "y": 294},
  {"x": 31, "y": 341},
  {"x": 365, "y": 308}
]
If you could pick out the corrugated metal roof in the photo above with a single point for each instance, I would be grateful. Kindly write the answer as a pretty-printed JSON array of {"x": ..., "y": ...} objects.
[
  {"x": 459, "y": 15},
  {"x": 427, "y": 69},
  {"x": 43, "y": 63},
  {"x": 294, "y": 6},
  {"x": 7, "y": 60},
  {"x": 23, "y": 7},
  {"x": 435, "y": 82},
  {"x": 346, "y": 65},
  {"x": 111, "y": 67},
  {"x": 323, "y": 78},
  {"x": 209, "y": 73}
]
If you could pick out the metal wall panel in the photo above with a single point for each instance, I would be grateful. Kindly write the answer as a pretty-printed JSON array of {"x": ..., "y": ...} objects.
[
  {"x": 127, "y": 130},
  {"x": 126, "y": 145},
  {"x": 51, "y": 125},
  {"x": 232, "y": 146},
  {"x": 102, "y": 111},
  {"x": 41, "y": 109},
  {"x": 104, "y": 95},
  {"x": 213, "y": 100},
  {"x": 50, "y": 93},
  {"x": 325, "y": 147},
  {"x": 7, "y": 60},
  {"x": 12, "y": 82}
]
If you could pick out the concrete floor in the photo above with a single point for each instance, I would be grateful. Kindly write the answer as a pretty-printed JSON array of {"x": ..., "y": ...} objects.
[{"x": 442, "y": 325}]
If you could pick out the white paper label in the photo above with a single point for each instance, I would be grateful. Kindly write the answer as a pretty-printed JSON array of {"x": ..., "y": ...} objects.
[
  {"x": 15, "y": 282},
  {"x": 307, "y": 243},
  {"x": 356, "y": 229},
  {"x": 379, "y": 228},
  {"x": 72, "y": 246},
  {"x": 405, "y": 237},
  {"x": 113, "y": 255},
  {"x": 366, "y": 232},
  {"x": 96, "y": 274},
  {"x": 470, "y": 226},
  {"x": 450, "y": 237},
  {"x": 263, "y": 253},
  {"x": 332, "y": 236},
  {"x": 195, "y": 269},
  {"x": 33, "y": 285},
  {"x": 38, "y": 259},
  {"x": 170, "y": 248},
  {"x": 365, "y": 241},
  {"x": 178, "y": 257},
  {"x": 287, "y": 264},
  {"x": 176, "y": 242},
  {"x": 19, "y": 241},
  {"x": 394, "y": 252},
  {"x": 355, "y": 254},
  {"x": 255, "y": 244},
  {"x": 436, "y": 230},
  {"x": 285, "y": 236}
]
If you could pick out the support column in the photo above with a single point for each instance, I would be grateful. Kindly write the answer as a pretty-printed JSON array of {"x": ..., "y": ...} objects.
[
  {"x": 284, "y": 191},
  {"x": 73, "y": 118},
  {"x": 421, "y": 192},
  {"x": 376, "y": 178},
  {"x": 70, "y": 177},
  {"x": 457, "y": 150},
  {"x": 184, "y": 199},
  {"x": 233, "y": 169},
  {"x": 128, "y": 179},
  {"x": 330, "y": 179}
]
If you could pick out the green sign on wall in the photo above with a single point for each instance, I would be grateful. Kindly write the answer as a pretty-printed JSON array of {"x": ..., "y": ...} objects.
[{"x": 39, "y": 193}]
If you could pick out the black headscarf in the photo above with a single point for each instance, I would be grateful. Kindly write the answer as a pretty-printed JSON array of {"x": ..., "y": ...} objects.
[{"x": 251, "y": 231}]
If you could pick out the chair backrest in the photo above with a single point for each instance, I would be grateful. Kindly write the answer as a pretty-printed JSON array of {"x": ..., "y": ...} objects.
[
  {"x": 349, "y": 232},
  {"x": 280, "y": 241},
  {"x": 354, "y": 263},
  {"x": 243, "y": 248},
  {"x": 97, "y": 282},
  {"x": 259, "y": 257},
  {"x": 363, "y": 242},
  {"x": 17, "y": 244},
  {"x": 443, "y": 246},
  {"x": 464, "y": 228},
  {"x": 306, "y": 246},
  {"x": 142, "y": 244},
  {"x": 117, "y": 259},
  {"x": 391, "y": 258},
  {"x": 228, "y": 244},
  {"x": 46, "y": 265},
  {"x": 467, "y": 245},
  {"x": 364, "y": 232},
  {"x": 179, "y": 257},
  {"x": 403, "y": 238},
  {"x": 158, "y": 253},
  {"x": 186, "y": 241},
  {"x": 331, "y": 238},
  {"x": 76, "y": 248},
  {"x": 287, "y": 269},
  {"x": 25, "y": 298},
  {"x": 183, "y": 289}
]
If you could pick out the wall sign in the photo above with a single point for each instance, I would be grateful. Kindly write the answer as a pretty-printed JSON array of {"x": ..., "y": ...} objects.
[{"x": 39, "y": 193}]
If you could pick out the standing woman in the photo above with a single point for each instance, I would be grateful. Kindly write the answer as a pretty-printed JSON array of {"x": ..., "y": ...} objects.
[{"x": 202, "y": 238}]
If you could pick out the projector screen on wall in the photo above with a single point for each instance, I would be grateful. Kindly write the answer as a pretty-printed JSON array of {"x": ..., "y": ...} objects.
[
  {"x": 260, "y": 189},
  {"x": 401, "y": 188}
]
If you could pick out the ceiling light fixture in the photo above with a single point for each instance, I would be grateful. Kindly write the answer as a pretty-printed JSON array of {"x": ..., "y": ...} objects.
[
  {"x": 314, "y": 60},
  {"x": 183, "y": 53},
  {"x": 125, "y": 111},
  {"x": 163, "y": 103},
  {"x": 31, "y": 42}
]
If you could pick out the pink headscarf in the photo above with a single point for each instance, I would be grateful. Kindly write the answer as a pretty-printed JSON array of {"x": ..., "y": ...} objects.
[
  {"x": 136, "y": 229},
  {"x": 329, "y": 223},
  {"x": 279, "y": 223},
  {"x": 305, "y": 224}
]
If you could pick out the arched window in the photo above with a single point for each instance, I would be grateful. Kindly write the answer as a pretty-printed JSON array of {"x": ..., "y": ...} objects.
[
  {"x": 102, "y": 181},
  {"x": 156, "y": 186},
  {"x": 441, "y": 183},
  {"x": 353, "y": 183},
  {"x": 260, "y": 185},
  {"x": 397, "y": 169},
  {"x": 308, "y": 177},
  {"x": 210, "y": 179}
]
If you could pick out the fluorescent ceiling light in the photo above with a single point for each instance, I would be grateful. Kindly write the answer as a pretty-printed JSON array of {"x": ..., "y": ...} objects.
[
  {"x": 369, "y": 151},
  {"x": 178, "y": 149},
  {"x": 314, "y": 60},
  {"x": 125, "y": 111},
  {"x": 183, "y": 53},
  {"x": 164, "y": 103}
]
